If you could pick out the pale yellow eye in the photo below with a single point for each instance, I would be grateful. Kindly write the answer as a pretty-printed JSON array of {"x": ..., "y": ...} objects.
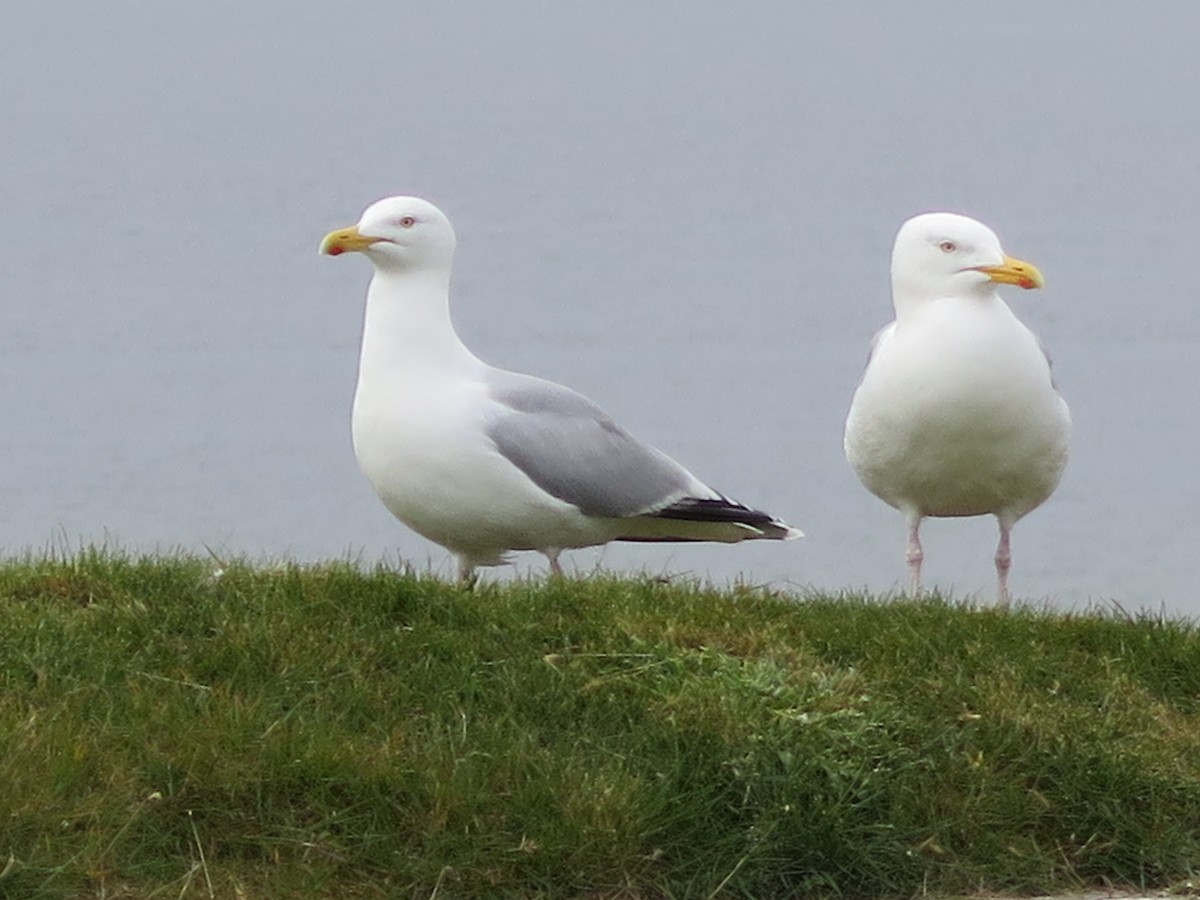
[
  {"x": 407, "y": 222},
  {"x": 948, "y": 246}
]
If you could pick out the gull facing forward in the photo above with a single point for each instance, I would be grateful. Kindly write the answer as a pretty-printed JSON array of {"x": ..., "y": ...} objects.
[{"x": 957, "y": 413}]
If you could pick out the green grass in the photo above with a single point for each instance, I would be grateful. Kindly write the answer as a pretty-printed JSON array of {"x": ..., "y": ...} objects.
[{"x": 326, "y": 732}]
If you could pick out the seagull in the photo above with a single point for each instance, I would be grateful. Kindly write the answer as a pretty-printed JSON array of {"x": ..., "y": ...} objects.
[
  {"x": 957, "y": 413},
  {"x": 483, "y": 461}
]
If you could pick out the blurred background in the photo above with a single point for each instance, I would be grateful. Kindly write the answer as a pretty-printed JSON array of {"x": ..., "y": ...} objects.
[{"x": 685, "y": 214}]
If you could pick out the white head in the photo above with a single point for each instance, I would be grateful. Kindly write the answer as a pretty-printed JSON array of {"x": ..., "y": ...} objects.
[
  {"x": 398, "y": 234},
  {"x": 947, "y": 255}
]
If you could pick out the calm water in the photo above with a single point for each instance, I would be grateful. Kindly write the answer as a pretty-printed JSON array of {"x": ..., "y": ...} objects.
[{"x": 687, "y": 218}]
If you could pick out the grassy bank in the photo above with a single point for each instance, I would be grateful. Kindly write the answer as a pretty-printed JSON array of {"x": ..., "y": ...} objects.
[{"x": 171, "y": 730}]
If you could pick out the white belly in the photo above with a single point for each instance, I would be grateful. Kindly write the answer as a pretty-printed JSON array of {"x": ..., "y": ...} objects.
[
  {"x": 433, "y": 466},
  {"x": 959, "y": 423}
]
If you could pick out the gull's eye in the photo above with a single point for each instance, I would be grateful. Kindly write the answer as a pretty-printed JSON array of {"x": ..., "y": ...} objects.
[
  {"x": 948, "y": 246},
  {"x": 407, "y": 222}
]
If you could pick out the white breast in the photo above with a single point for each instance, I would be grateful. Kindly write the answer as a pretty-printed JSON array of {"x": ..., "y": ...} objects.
[{"x": 957, "y": 414}]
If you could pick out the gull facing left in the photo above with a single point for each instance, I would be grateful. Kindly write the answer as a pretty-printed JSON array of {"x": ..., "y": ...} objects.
[{"x": 483, "y": 461}]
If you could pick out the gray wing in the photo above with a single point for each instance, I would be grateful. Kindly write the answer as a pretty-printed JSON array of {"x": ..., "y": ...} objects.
[
  {"x": 880, "y": 336},
  {"x": 1049, "y": 361},
  {"x": 570, "y": 448}
]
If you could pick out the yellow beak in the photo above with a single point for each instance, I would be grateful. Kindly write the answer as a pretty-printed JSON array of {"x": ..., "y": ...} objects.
[
  {"x": 1014, "y": 271},
  {"x": 346, "y": 240}
]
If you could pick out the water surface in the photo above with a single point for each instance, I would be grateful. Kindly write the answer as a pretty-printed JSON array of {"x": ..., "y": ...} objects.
[{"x": 685, "y": 216}]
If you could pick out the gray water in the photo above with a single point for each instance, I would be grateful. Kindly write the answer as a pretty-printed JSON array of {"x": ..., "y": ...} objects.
[{"x": 686, "y": 215}]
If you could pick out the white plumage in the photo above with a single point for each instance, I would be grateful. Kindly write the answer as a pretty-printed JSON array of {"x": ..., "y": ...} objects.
[
  {"x": 484, "y": 461},
  {"x": 957, "y": 413}
]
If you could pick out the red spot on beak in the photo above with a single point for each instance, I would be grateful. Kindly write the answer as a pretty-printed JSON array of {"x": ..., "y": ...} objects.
[{"x": 335, "y": 250}]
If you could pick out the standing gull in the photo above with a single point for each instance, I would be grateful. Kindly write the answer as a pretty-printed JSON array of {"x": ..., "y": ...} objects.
[
  {"x": 484, "y": 461},
  {"x": 957, "y": 413}
]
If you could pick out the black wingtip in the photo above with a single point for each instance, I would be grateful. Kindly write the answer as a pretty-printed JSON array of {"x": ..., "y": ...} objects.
[{"x": 722, "y": 509}]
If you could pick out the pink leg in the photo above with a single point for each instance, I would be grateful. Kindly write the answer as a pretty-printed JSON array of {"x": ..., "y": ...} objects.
[
  {"x": 555, "y": 566},
  {"x": 914, "y": 554},
  {"x": 1003, "y": 560}
]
